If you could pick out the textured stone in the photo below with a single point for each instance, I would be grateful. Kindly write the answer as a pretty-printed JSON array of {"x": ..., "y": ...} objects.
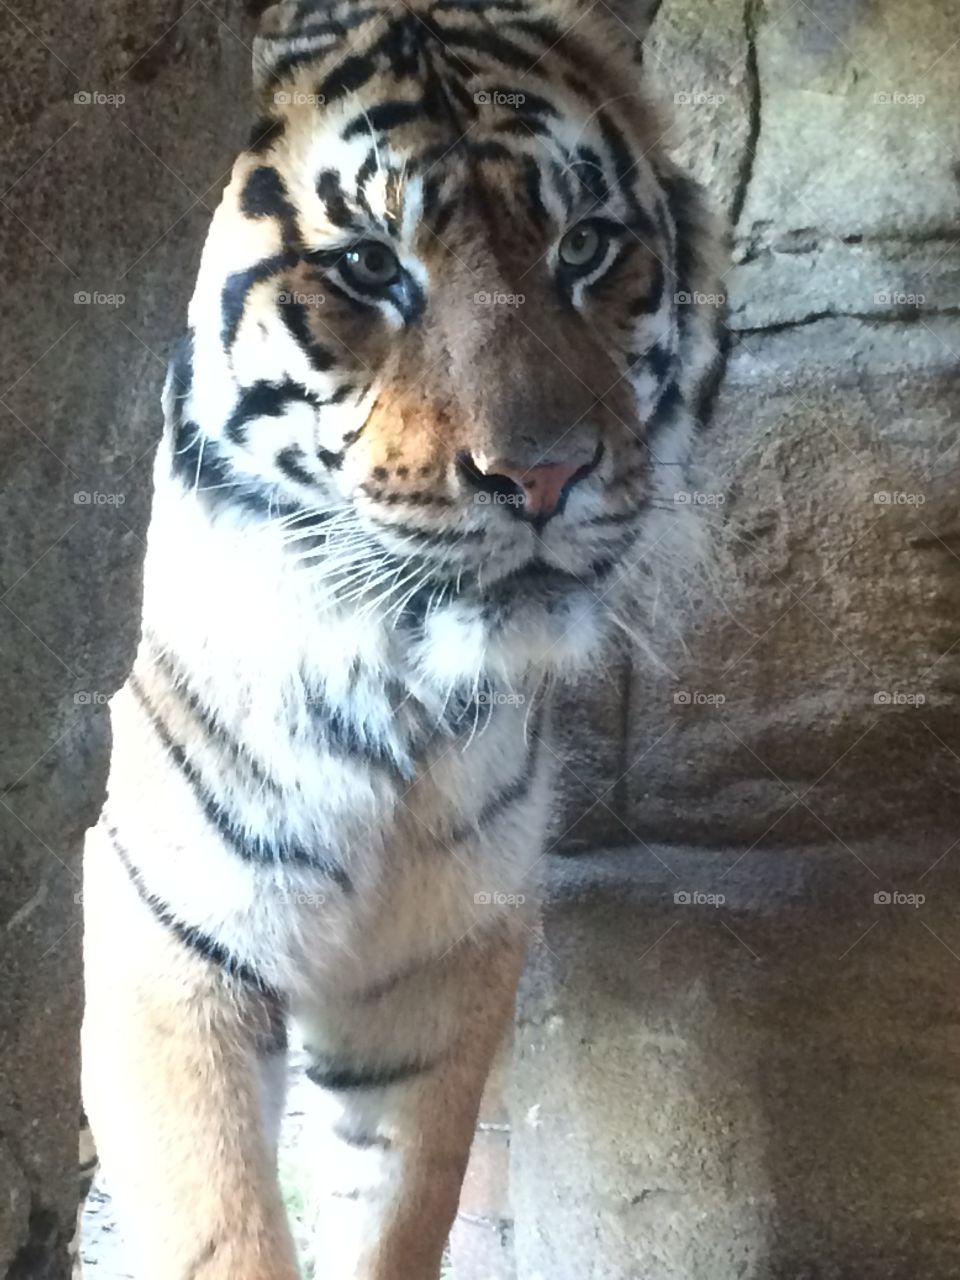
[
  {"x": 101, "y": 198},
  {"x": 764, "y": 1087},
  {"x": 818, "y": 692}
]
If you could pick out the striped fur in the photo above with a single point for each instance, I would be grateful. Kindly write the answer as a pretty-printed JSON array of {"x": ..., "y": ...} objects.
[{"x": 330, "y": 779}]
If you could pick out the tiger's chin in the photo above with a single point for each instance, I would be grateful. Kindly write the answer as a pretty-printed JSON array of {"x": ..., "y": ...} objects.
[{"x": 535, "y": 622}]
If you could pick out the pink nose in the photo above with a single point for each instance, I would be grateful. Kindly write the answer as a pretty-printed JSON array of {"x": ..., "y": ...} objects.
[{"x": 542, "y": 486}]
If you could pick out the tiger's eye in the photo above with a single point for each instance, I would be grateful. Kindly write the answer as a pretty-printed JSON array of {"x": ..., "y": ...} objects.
[
  {"x": 372, "y": 264},
  {"x": 582, "y": 245}
]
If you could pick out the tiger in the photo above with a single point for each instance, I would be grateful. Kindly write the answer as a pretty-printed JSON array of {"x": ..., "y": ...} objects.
[{"x": 422, "y": 435}]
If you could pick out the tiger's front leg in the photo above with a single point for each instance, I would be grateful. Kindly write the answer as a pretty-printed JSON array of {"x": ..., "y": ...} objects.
[
  {"x": 183, "y": 1073},
  {"x": 399, "y": 1071}
]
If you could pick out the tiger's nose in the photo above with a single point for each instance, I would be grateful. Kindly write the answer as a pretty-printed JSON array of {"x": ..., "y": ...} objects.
[
  {"x": 534, "y": 493},
  {"x": 542, "y": 487}
]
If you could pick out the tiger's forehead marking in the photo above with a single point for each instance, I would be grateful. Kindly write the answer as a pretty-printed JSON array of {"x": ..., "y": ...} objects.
[{"x": 376, "y": 95}]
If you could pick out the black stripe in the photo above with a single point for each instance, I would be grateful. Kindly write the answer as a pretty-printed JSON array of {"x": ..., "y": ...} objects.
[
  {"x": 505, "y": 51},
  {"x": 624, "y": 162},
  {"x": 211, "y": 723},
  {"x": 202, "y": 944},
  {"x": 346, "y": 1078},
  {"x": 294, "y": 316},
  {"x": 290, "y": 460},
  {"x": 267, "y": 400},
  {"x": 385, "y": 116},
  {"x": 362, "y": 1140},
  {"x": 341, "y": 735},
  {"x": 531, "y": 183},
  {"x": 247, "y": 848},
  {"x": 513, "y": 792},
  {"x": 446, "y": 537},
  {"x": 315, "y": 31},
  {"x": 649, "y": 303},
  {"x": 264, "y": 400},
  {"x": 670, "y": 403},
  {"x": 660, "y": 359},
  {"x": 265, "y": 196},
  {"x": 233, "y": 299},
  {"x": 197, "y": 462},
  {"x": 350, "y": 76},
  {"x": 588, "y": 170},
  {"x": 330, "y": 191},
  {"x": 264, "y": 134}
]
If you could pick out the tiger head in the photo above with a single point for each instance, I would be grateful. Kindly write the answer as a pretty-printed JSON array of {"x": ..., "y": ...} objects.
[{"x": 441, "y": 325}]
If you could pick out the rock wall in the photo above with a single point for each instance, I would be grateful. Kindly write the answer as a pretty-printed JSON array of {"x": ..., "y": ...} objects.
[{"x": 114, "y": 138}]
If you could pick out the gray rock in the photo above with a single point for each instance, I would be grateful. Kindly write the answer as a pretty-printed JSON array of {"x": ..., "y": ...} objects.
[{"x": 99, "y": 226}]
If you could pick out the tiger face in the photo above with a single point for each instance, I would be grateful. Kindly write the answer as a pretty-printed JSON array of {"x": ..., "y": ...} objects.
[{"x": 440, "y": 325}]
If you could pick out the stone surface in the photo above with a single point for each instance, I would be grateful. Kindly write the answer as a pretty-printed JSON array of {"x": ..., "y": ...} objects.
[
  {"x": 103, "y": 205},
  {"x": 742, "y": 1067}
]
